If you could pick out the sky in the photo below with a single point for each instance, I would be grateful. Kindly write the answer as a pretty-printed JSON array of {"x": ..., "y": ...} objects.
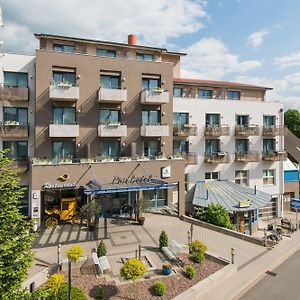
[{"x": 248, "y": 41}]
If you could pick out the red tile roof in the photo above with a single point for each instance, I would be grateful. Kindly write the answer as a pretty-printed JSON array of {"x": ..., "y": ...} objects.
[{"x": 218, "y": 83}]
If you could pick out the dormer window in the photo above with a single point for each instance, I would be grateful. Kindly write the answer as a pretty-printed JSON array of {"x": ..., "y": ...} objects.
[
  {"x": 144, "y": 56},
  {"x": 63, "y": 48},
  {"x": 106, "y": 53}
]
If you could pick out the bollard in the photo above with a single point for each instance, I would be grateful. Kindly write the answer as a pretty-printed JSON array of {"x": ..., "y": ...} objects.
[
  {"x": 265, "y": 237},
  {"x": 232, "y": 254},
  {"x": 59, "y": 257},
  {"x": 140, "y": 252},
  {"x": 32, "y": 287},
  {"x": 189, "y": 241},
  {"x": 136, "y": 253}
]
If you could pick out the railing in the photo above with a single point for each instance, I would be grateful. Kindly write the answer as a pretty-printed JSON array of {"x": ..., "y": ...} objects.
[
  {"x": 217, "y": 157},
  {"x": 274, "y": 130},
  {"x": 185, "y": 130},
  {"x": 246, "y": 130},
  {"x": 191, "y": 158},
  {"x": 112, "y": 95},
  {"x": 21, "y": 165},
  {"x": 112, "y": 130},
  {"x": 247, "y": 156},
  {"x": 274, "y": 155},
  {"x": 195, "y": 96},
  {"x": 63, "y": 92},
  {"x": 155, "y": 130},
  {"x": 158, "y": 96},
  {"x": 216, "y": 130},
  {"x": 14, "y": 93},
  {"x": 11, "y": 130}
]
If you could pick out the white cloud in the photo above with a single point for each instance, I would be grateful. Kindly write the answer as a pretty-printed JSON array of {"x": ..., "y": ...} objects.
[
  {"x": 286, "y": 61},
  {"x": 210, "y": 58},
  {"x": 255, "y": 39},
  {"x": 154, "y": 22}
]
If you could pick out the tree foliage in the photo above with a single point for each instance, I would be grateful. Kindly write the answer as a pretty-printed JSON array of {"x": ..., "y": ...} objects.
[
  {"x": 101, "y": 250},
  {"x": 292, "y": 121},
  {"x": 74, "y": 253},
  {"x": 163, "y": 240},
  {"x": 133, "y": 269},
  {"x": 15, "y": 236}
]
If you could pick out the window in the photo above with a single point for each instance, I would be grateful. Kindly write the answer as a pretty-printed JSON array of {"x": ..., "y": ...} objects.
[
  {"x": 64, "y": 115},
  {"x": 64, "y": 77},
  {"x": 109, "y": 116},
  {"x": 63, "y": 48},
  {"x": 18, "y": 149},
  {"x": 269, "y": 120},
  {"x": 268, "y": 145},
  {"x": 180, "y": 146},
  {"x": 106, "y": 53},
  {"x": 207, "y": 94},
  {"x": 242, "y": 146},
  {"x": 177, "y": 92},
  {"x": 150, "y": 84},
  {"x": 179, "y": 119},
  {"x": 241, "y": 177},
  {"x": 150, "y": 117},
  {"x": 268, "y": 176},
  {"x": 269, "y": 210},
  {"x": 151, "y": 148},
  {"x": 212, "y": 175},
  {"x": 156, "y": 198},
  {"x": 24, "y": 202},
  {"x": 212, "y": 119},
  {"x": 15, "y": 79},
  {"x": 17, "y": 114},
  {"x": 233, "y": 95},
  {"x": 212, "y": 146},
  {"x": 144, "y": 56},
  {"x": 110, "y": 148},
  {"x": 63, "y": 150},
  {"x": 242, "y": 120},
  {"x": 110, "y": 81}
]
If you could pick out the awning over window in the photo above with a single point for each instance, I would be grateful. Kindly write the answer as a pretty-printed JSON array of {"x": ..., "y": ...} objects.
[{"x": 234, "y": 197}]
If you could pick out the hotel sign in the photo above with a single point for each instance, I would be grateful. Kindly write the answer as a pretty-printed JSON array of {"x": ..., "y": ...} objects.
[
  {"x": 135, "y": 179},
  {"x": 55, "y": 186},
  {"x": 244, "y": 203}
]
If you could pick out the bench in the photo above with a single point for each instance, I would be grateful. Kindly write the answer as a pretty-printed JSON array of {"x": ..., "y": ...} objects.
[
  {"x": 101, "y": 264},
  {"x": 173, "y": 250}
]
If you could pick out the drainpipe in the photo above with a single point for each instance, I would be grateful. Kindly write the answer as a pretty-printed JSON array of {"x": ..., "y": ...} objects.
[{"x": 281, "y": 147}]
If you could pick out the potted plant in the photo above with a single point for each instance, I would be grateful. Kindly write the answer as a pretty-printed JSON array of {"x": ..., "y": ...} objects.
[
  {"x": 142, "y": 205},
  {"x": 167, "y": 268}
]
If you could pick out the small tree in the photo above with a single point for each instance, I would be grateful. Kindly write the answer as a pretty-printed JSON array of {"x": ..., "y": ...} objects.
[
  {"x": 101, "y": 250},
  {"x": 190, "y": 272},
  {"x": 160, "y": 288},
  {"x": 54, "y": 282},
  {"x": 163, "y": 240},
  {"x": 198, "y": 250},
  {"x": 74, "y": 253},
  {"x": 89, "y": 212},
  {"x": 218, "y": 215},
  {"x": 133, "y": 269},
  {"x": 292, "y": 121}
]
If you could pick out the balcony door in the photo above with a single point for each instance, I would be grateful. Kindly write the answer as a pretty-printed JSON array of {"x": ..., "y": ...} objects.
[
  {"x": 15, "y": 114},
  {"x": 212, "y": 146},
  {"x": 63, "y": 150},
  {"x": 269, "y": 121},
  {"x": 241, "y": 146},
  {"x": 67, "y": 77},
  {"x": 179, "y": 119},
  {"x": 110, "y": 81},
  {"x": 180, "y": 146},
  {"x": 151, "y": 148},
  {"x": 150, "y": 84},
  {"x": 268, "y": 145},
  {"x": 18, "y": 149},
  {"x": 150, "y": 117},
  {"x": 242, "y": 120},
  {"x": 109, "y": 116},
  {"x": 15, "y": 79},
  {"x": 110, "y": 148},
  {"x": 64, "y": 115},
  {"x": 212, "y": 119}
]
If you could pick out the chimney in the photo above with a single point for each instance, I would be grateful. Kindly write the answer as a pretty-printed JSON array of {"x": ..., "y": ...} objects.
[{"x": 132, "y": 39}]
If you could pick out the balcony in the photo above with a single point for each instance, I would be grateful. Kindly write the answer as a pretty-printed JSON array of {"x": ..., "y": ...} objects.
[
  {"x": 191, "y": 158},
  {"x": 247, "y": 156},
  {"x": 112, "y": 95},
  {"x": 64, "y": 92},
  {"x": 112, "y": 130},
  {"x": 14, "y": 93},
  {"x": 63, "y": 130},
  {"x": 22, "y": 165},
  {"x": 14, "y": 131},
  {"x": 154, "y": 130},
  {"x": 217, "y": 157},
  {"x": 185, "y": 130},
  {"x": 215, "y": 130},
  {"x": 247, "y": 130},
  {"x": 274, "y": 155},
  {"x": 273, "y": 130},
  {"x": 155, "y": 97}
]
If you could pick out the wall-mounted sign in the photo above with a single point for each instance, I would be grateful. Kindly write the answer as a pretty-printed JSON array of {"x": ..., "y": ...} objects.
[
  {"x": 49, "y": 186},
  {"x": 166, "y": 172},
  {"x": 134, "y": 179},
  {"x": 35, "y": 203},
  {"x": 244, "y": 203},
  {"x": 63, "y": 177}
]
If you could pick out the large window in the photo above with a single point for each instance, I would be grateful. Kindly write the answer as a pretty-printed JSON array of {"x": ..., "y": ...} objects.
[
  {"x": 18, "y": 149},
  {"x": 15, "y": 114},
  {"x": 212, "y": 146},
  {"x": 206, "y": 94},
  {"x": 64, "y": 115},
  {"x": 110, "y": 81},
  {"x": 15, "y": 79},
  {"x": 242, "y": 120},
  {"x": 156, "y": 198},
  {"x": 269, "y": 176},
  {"x": 151, "y": 148},
  {"x": 109, "y": 116},
  {"x": 269, "y": 120},
  {"x": 241, "y": 145},
  {"x": 150, "y": 117},
  {"x": 149, "y": 84},
  {"x": 63, "y": 150},
  {"x": 24, "y": 202},
  {"x": 180, "y": 119},
  {"x": 110, "y": 148},
  {"x": 177, "y": 92},
  {"x": 63, "y": 48},
  {"x": 268, "y": 145},
  {"x": 241, "y": 177},
  {"x": 212, "y": 175},
  {"x": 212, "y": 119},
  {"x": 106, "y": 52},
  {"x": 144, "y": 56},
  {"x": 64, "y": 77},
  {"x": 233, "y": 95},
  {"x": 180, "y": 146}
]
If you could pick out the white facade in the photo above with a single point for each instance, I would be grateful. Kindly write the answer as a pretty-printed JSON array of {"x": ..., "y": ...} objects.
[{"x": 228, "y": 110}]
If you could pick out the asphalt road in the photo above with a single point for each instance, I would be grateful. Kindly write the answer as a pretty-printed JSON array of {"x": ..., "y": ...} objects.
[{"x": 283, "y": 286}]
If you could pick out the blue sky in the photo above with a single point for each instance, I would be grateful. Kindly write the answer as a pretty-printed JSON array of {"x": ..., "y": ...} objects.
[{"x": 250, "y": 41}]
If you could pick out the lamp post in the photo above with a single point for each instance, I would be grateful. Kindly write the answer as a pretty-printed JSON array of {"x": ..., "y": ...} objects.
[
  {"x": 69, "y": 279},
  {"x": 232, "y": 254},
  {"x": 59, "y": 257}
]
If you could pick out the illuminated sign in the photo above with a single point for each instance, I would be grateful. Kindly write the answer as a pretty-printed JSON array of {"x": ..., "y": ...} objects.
[
  {"x": 244, "y": 203},
  {"x": 166, "y": 172},
  {"x": 49, "y": 186}
]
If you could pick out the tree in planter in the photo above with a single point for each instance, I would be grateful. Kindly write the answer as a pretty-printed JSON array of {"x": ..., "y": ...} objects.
[
  {"x": 101, "y": 250},
  {"x": 89, "y": 212},
  {"x": 15, "y": 236},
  {"x": 163, "y": 240},
  {"x": 74, "y": 253},
  {"x": 142, "y": 205}
]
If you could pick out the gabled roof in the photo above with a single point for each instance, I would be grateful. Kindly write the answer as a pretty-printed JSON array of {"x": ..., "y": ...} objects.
[
  {"x": 217, "y": 83},
  {"x": 292, "y": 146}
]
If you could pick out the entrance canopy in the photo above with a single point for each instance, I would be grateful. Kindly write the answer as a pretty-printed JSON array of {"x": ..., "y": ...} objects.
[
  {"x": 94, "y": 187},
  {"x": 234, "y": 197}
]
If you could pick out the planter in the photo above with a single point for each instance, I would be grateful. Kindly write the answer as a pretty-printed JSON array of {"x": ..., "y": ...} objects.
[
  {"x": 91, "y": 227},
  {"x": 167, "y": 271},
  {"x": 141, "y": 220}
]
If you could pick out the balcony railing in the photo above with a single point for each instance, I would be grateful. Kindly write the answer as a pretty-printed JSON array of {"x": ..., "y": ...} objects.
[
  {"x": 14, "y": 93},
  {"x": 274, "y": 155},
  {"x": 155, "y": 130},
  {"x": 158, "y": 96},
  {"x": 64, "y": 92},
  {"x": 14, "y": 131},
  {"x": 112, "y": 95},
  {"x": 216, "y": 130},
  {"x": 247, "y": 130},
  {"x": 185, "y": 130},
  {"x": 217, "y": 157},
  {"x": 247, "y": 156},
  {"x": 21, "y": 165},
  {"x": 63, "y": 130},
  {"x": 191, "y": 158},
  {"x": 112, "y": 130},
  {"x": 273, "y": 130}
]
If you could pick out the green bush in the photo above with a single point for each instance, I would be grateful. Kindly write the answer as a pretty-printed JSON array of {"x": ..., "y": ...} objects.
[
  {"x": 190, "y": 272},
  {"x": 54, "y": 282},
  {"x": 160, "y": 288},
  {"x": 163, "y": 239},
  {"x": 198, "y": 246},
  {"x": 198, "y": 257},
  {"x": 42, "y": 294},
  {"x": 74, "y": 253},
  {"x": 76, "y": 293},
  {"x": 101, "y": 250},
  {"x": 99, "y": 292},
  {"x": 133, "y": 269},
  {"x": 218, "y": 215}
]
